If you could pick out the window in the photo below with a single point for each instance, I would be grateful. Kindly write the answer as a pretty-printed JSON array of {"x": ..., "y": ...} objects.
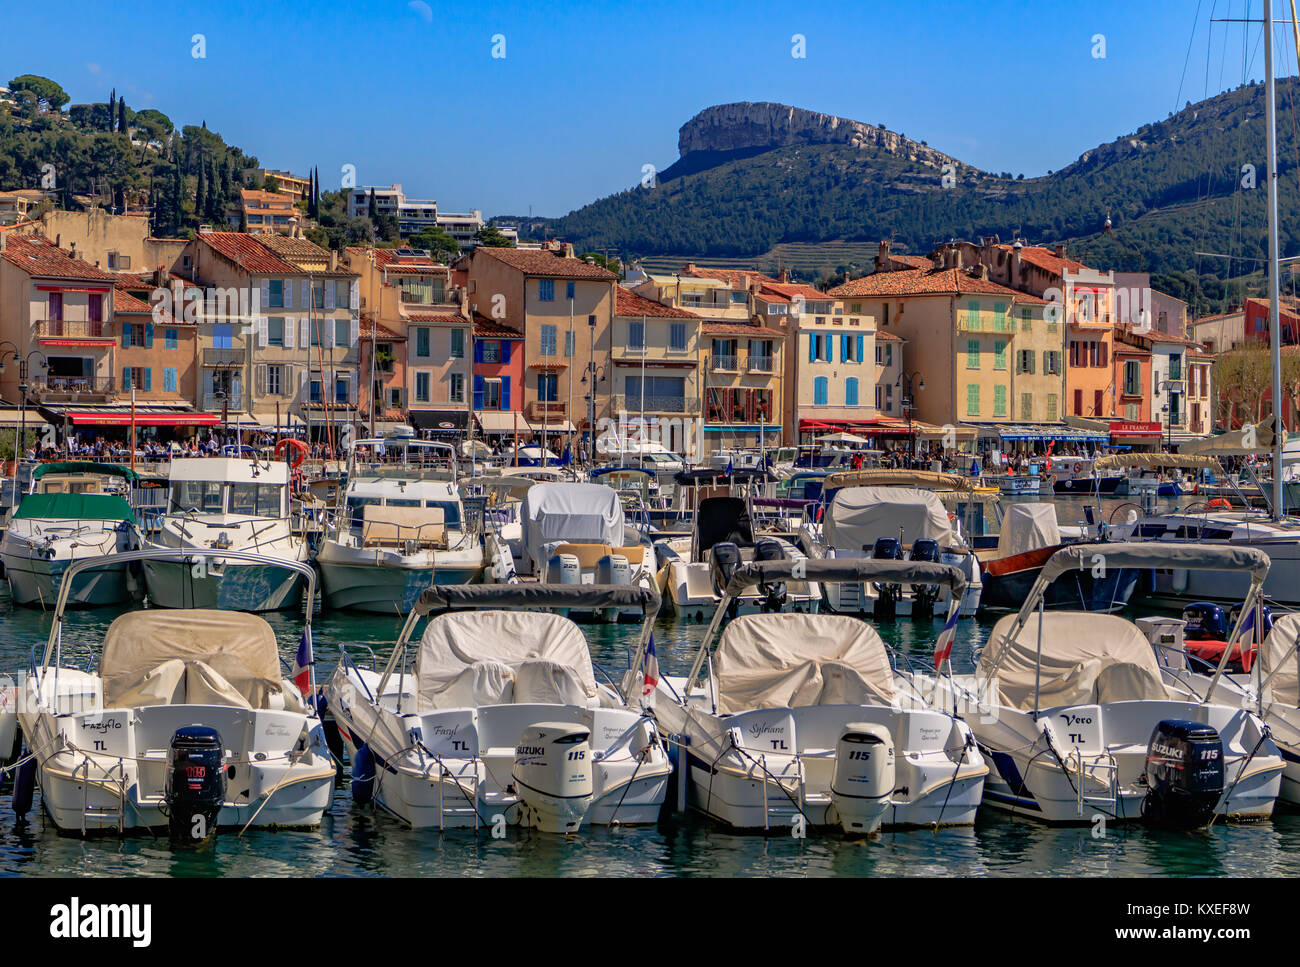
[
  {"x": 548, "y": 386},
  {"x": 568, "y": 343},
  {"x": 1026, "y": 320},
  {"x": 1078, "y": 402},
  {"x": 315, "y": 391},
  {"x": 851, "y": 391},
  {"x": 420, "y": 291},
  {"x": 1000, "y": 317},
  {"x": 1175, "y": 367},
  {"x": 1025, "y": 361},
  {"x": 546, "y": 290},
  {"x": 999, "y": 355},
  {"x": 491, "y": 350},
  {"x": 821, "y": 392},
  {"x": 275, "y": 331},
  {"x": 492, "y": 394},
  {"x": 116, "y": 261},
  {"x": 255, "y": 500},
  {"x": 1026, "y": 406},
  {"x": 973, "y": 316},
  {"x": 343, "y": 294},
  {"x": 636, "y": 334},
  {"x": 568, "y": 290},
  {"x": 458, "y": 387},
  {"x": 169, "y": 380},
  {"x": 1051, "y": 407},
  {"x": 421, "y": 387},
  {"x": 458, "y": 344},
  {"x": 342, "y": 332},
  {"x": 972, "y": 400},
  {"x": 972, "y": 354},
  {"x": 314, "y": 336},
  {"x": 999, "y": 401},
  {"x": 318, "y": 295},
  {"x": 677, "y": 337},
  {"x": 276, "y": 298},
  {"x": 1130, "y": 411},
  {"x": 548, "y": 337},
  {"x": 1098, "y": 401},
  {"x": 1051, "y": 363},
  {"x": 171, "y": 339},
  {"x": 889, "y": 355},
  {"x": 1132, "y": 378},
  {"x": 56, "y": 306},
  {"x": 275, "y": 380},
  {"x": 341, "y": 394},
  {"x": 422, "y": 342},
  {"x": 95, "y": 308}
]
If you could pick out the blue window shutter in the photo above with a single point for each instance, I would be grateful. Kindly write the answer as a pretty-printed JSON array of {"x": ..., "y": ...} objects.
[
  {"x": 126, "y": 335},
  {"x": 478, "y": 392},
  {"x": 478, "y": 351},
  {"x": 126, "y": 377},
  {"x": 148, "y": 378},
  {"x": 860, "y": 348},
  {"x": 851, "y": 391},
  {"x": 844, "y": 347},
  {"x": 505, "y": 351},
  {"x": 169, "y": 380},
  {"x": 505, "y": 388},
  {"x": 812, "y": 347},
  {"x": 148, "y": 335}
]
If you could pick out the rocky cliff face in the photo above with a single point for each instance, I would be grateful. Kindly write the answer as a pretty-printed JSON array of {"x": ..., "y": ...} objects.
[{"x": 729, "y": 127}]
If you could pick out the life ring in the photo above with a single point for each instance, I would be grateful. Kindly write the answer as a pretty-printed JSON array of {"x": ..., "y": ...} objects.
[
  {"x": 299, "y": 448},
  {"x": 1218, "y": 503},
  {"x": 1077, "y": 468}
]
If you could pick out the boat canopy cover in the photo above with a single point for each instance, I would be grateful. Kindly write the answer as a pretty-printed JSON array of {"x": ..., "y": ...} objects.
[
  {"x": 86, "y": 466},
  {"x": 846, "y": 570},
  {"x": 1028, "y": 527},
  {"x": 1233, "y": 443},
  {"x": 1157, "y": 554},
  {"x": 790, "y": 660},
  {"x": 859, "y": 515},
  {"x": 723, "y": 519},
  {"x": 447, "y": 597},
  {"x": 1280, "y": 653},
  {"x": 925, "y": 479},
  {"x": 471, "y": 658},
  {"x": 1088, "y": 658},
  {"x": 571, "y": 513},
  {"x": 197, "y": 657},
  {"x": 74, "y": 507},
  {"x": 1154, "y": 461}
]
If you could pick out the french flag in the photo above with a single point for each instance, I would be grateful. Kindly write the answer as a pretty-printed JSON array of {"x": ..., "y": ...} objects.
[
  {"x": 649, "y": 669},
  {"x": 943, "y": 647},
  {"x": 302, "y": 662}
]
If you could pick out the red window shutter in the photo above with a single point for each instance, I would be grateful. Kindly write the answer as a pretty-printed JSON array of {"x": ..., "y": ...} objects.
[{"x": 1078, "y": 402}]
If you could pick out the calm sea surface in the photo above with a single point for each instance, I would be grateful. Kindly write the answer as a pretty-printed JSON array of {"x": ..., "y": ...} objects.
[{"x": 360, "y": 842}]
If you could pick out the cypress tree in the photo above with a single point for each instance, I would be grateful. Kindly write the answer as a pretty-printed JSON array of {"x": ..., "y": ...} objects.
[
  {"x": 372, "y": 212},
  {"x": 112, "y": 108},
  {"x": 121, "y": 115},
  {"x": 199, "y": 193},
  {"x": 213, "y": 201}
]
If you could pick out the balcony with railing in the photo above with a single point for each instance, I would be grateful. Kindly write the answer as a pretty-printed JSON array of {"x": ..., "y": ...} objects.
[
  {"x": 724, "y": 364},
  {"x": 542, "y": 410},
  {"x": 232, "y": 401},
  {"x": 73, "y": 329},
  {"x": 759, "y": 364},
  {"x": 632, "y": 403},
  {"x": 73, "y": 389},
  {"x": 224, "y": 358}
]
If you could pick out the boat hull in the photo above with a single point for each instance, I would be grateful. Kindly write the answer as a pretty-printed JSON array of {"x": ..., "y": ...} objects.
[
  {"x": 379, "y": 589},
  {"x": 225, "y": 586},
  {"x": 1007, "y": 584},
  {"x": 34, "y": 582}
]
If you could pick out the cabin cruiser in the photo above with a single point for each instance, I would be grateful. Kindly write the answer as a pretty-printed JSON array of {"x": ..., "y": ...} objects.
[
  {"x": 65, "y": 520},
  {"x": 1082, "y": 720},
  {"x": 695, "y": 569},
  {"x": 1071, "y": 474},
  {"x": 497, "y": 714},
  {"x": 1030, "y": 536},
  {"x": 802, "y": 718},
  {"x": 575, "y": 533},
  {"x": 402, "y": 529},
  {"x": 893, "y": 523},
  {"x": 187, "y": 723},
  {"x": 227, "y": 504}
]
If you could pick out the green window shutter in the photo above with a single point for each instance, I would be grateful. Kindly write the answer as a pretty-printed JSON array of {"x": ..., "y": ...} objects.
[
  {"x": 999, "y": 355},
  {"x": 972, "y": 400},
  {"x": 999, "y": 401},
  {"x": 1026, "y": 320},
  {"x": 972, "y": 354},
  {"x": 1000, "y": 316},
  {"x": 1026, "y": 406},
  {"x": 973, "y": 316}
]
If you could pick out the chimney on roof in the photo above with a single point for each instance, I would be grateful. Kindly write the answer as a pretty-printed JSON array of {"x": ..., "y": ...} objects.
[
  {"x": 784, "y": 276},
  {"x": 334, "y": 261},
  {"x": 689, "y": 267},
  {"x": 882, "y": 257},
  {"x": 952, "y": 257},
  {"x": 980, "y": 271},
  {"x": 1060, "y": 251}
]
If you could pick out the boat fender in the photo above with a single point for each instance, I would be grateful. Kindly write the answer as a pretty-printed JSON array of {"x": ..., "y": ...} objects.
[
  {"x": 363, "y": 776},
  {"x": 24, "y": 787}
]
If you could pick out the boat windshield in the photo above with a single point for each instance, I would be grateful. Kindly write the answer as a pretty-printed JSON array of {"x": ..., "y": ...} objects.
[
  {"x": 213, "y": 497},
  {"x": 357, "y": 505}
]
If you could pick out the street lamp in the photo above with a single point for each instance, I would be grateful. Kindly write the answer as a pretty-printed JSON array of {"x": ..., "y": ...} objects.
[
  {"x": 905, "y": 382},
  {"x": 24, "y": 363},
  {"x": 1167, "y": 387}
]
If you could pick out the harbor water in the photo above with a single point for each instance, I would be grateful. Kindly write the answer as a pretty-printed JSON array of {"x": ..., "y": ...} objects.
[{"x": 355, "y": 841}]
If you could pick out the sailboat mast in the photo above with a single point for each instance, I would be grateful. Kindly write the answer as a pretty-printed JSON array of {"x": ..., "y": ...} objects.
[{"x": 1274, "y": 318}]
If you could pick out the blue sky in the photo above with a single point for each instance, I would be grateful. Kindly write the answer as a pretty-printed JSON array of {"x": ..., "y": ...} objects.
[{"x": 587, "y": 93}]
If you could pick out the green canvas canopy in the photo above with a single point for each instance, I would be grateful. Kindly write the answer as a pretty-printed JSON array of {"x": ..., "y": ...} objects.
[
  {"x": 86, "y": 466},
  {"x": 74, "y": 507}
]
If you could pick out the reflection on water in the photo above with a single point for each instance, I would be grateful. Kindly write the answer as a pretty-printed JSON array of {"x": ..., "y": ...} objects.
[{"x": 357, "y": 842}]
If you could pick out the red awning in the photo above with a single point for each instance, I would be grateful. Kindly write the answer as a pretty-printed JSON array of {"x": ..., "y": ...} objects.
[
  {"x": 86, "y": 343},
  {"x": 144, "y": 419}
]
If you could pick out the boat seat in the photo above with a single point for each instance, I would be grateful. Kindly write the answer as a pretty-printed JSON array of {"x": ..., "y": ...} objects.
[
  {"x": 588, "y": 555},
  {"x": 393, "y": 526},
  {"x": 635, "y": 553}
]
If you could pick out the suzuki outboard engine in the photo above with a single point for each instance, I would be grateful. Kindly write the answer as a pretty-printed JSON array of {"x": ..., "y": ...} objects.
[
  {"x": 553, "y": 776},
  {"x": 1184, "y": 773},
  {"x": 195, "y": 788},
  {"x": 924, "y": 596},
  {"x": 864, "y": 777},
  {"x": 887, "y": 549},
  {"x": 724, "y": 558},
  {"x": 773, "y": 594}
]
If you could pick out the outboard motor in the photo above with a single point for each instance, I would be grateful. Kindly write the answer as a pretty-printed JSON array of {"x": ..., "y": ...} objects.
[
  {"x": 1206, "y": 621},
  {"x": 924, "y": 596},
  {"x": 864, "y": 777},
  {"x": 564, "y": 569},
  {"x": 553, "y": 776},
  {"x": 887, "y": 549},
  {"x": 724, "y": 558},
  {"x": 1235, "y": 613},
  {"x": 1184, "y": 773},
  {"x": 613, "y": 569},
  {"x": 195, "y": 789},
  {"x": 773, "y": 594}
]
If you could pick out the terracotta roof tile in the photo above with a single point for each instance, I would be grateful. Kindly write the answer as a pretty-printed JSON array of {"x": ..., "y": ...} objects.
[
  {"x": 736, "y": 278},
  {"x": 446, "y": 315},
  {"x": 546, "y": 264},
  {"x": 1047, "y": 259},
  {"x": 628, "y": 303},
  {"x": 40, "y": 257},
  {"x": 485, "y": 328},
  {"x": 249, "y": 253},
  {"x": 741, "y": 329},
  {"x": 888, "y": 336},
  {"x": 928, "y": 282},
  {"x": 786, "y": 292}
]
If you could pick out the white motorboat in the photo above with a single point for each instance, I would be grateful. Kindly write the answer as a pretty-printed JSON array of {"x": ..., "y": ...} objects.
[
  {"x": 187, "y": 724},
  {"x": 1079, "y": 710},
  {"x": 893, "y": 523},
  {"x": 51, "y": 529},
  {"x": 802, "y": 718},
  {"x": 695, "y": 569},
  {"x": 402, "y": 529},
  {"x": 575, "y": 533},
  {"x": 496, "y": 716},
  {"x": 226, "y": 503}
]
